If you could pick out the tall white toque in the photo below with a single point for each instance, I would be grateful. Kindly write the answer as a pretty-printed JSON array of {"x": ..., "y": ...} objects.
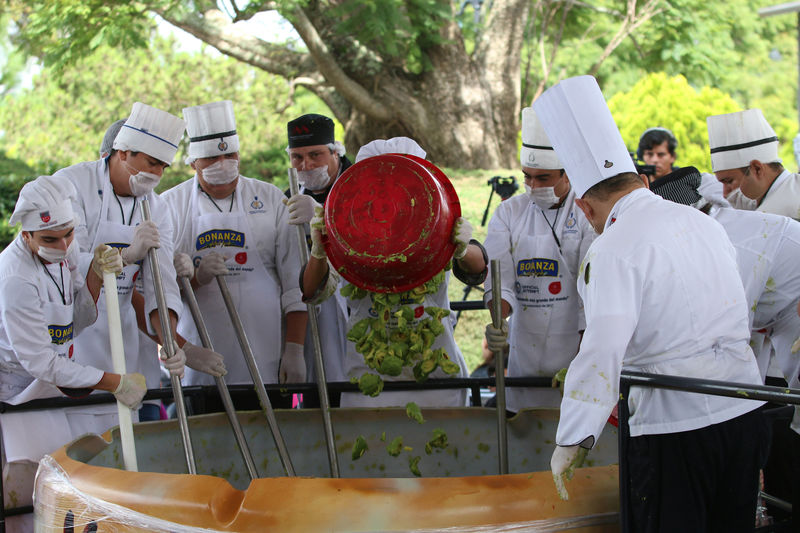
[
  {"x": 537, "y": 150},
  {"x": 586, "y": 139},
  {"x": 738, "y": 138},
  {"x": 212, "y": 129},
  {"x": 152, "y": 131}
]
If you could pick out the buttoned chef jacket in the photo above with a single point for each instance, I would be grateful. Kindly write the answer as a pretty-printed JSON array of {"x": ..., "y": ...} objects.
[
  {"x": 662, "y": 295},
  {"x": 26, "y": 349},
  {"x": 538, "y": 280}
]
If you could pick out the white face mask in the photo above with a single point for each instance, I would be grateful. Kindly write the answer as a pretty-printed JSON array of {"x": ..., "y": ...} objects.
[
  {"x": 141, "y": 183},
  {"x": 222, "y": 172},
  {"x": 315, "y": 179},
  {"x": 55, "y": 255},
  {"x": 738, "y": 200},
  {"x": 544, "y": 197}
]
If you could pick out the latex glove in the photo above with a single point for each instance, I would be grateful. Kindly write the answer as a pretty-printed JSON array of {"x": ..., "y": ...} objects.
[
  {"x": 497, "y": 339},
  {"x": 131, "y": 390},
  {"x": 183, "y": 265},
  {"x": 211, "y": 266},
  {"x": 462, "y": 233},
  {"x": 301, "y": 208},
  {"x": 796, "y": 345},
  {"x": 144, "y": 237},
  {"x": 204, "y": 360},
  {"x": 293, "y": 364},
  {"x": 106, "y": 259},
  {"x": 176, "y": 363},
  {"x": 317, "y": 231},
  {"x": 563, "y": 463}
]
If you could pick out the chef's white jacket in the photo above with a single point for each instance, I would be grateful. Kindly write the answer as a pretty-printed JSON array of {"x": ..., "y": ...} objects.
[
  {"x": 26, "y": 351},
  {"x": 88, "y": 178},
  {"x": 783, "y": 196},
  {"x": 662, "y": 295}
]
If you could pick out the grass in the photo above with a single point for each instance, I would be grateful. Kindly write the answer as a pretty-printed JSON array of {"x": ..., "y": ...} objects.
[{"x": 473, "y": 193}]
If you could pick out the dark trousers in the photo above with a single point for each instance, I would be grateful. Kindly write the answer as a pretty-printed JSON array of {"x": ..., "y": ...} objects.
[{"x": 705, "y": 480}]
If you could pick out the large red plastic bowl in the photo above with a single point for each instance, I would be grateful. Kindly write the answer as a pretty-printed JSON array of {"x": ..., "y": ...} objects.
[{"x": 389, "y": 219}]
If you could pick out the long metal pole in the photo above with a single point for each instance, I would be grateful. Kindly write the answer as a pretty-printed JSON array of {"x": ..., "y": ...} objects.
[
  {"x": 169, "y": 347},
  {"x": 319, "y": 365},
  {"x": 118, "y": 364},
  {"x": 499, "y": 375},
  {"x": 261, "y": 391},
  {"x": 222, "y": 387}
]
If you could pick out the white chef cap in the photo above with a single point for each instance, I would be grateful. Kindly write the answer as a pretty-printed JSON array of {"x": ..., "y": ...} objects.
[
  {"x": 586, "y": 139},
  {"x": 152, "y": 131},
  {"x": 44, "y": 203},
  {"x": 212, "y": 130},
  {"x": 738, "y": 138},
  {"x": 395, "y": 145},
  {"x": 537, "y": 150}
]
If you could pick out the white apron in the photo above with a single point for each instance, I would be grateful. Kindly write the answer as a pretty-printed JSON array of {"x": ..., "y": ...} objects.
[
  {"x": 355, "y": 365},
  {"x": 93, "y": 343},
  {"x": 255, "y": 290},
  {"x": 543, "y": 330}
]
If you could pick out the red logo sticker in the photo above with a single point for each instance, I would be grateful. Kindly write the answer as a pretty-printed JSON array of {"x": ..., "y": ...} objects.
[
  {"x": 418, "y": 311},
  {"x": 71, "y": 350},
  {"x": 45, "y": 216},
  {"x": 555, "y": 287},
  {"x": 241, "y": 258}
]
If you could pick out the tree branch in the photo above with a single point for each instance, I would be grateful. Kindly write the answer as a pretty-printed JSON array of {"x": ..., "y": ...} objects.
[{"x": 629, "y": 24}]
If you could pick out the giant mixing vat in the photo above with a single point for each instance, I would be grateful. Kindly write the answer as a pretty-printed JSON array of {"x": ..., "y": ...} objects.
[{"x": 83, "y": 486}]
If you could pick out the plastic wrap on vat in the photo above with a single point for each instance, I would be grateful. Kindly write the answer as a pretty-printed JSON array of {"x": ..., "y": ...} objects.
[{"x": 75, "y": 489}]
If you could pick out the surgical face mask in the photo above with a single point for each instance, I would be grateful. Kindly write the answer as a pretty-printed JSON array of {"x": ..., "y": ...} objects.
[
  {"x": 738, "y": 200},
  {"x": 315, "y": 179},
  {"x": 55, "y": 255},
  {"x": 141, "y": 183},
  {"x": 222, "y": 172},
  {"x": 544, "y": 197}
]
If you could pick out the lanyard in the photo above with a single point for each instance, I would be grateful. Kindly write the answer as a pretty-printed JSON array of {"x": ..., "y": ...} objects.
[
  {"x": 121, "y": 212},
  {"x": 553, "y": 226},
  {"x": 230, "y": 207},
  {"x": 59, "y": 288}
]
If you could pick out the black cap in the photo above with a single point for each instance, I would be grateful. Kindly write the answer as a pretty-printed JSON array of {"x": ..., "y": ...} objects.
[
  {"x": 310, "y": 130},
  {"x": 679, "y": 186}
]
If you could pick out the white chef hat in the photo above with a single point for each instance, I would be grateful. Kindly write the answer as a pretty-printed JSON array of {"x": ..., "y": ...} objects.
[
  {"x": 586, "y": 139},
  {"x": 212, "y": 130},
  {"x": 395, "y": 145},
  {"x": 152, "y": 131},
  {"x": 44, "y": 203},
  {"x": 537, "y": 150},
  {"x": 738, "y": 138}
]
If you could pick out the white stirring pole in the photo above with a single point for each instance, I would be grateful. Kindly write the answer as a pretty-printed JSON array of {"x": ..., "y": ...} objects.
[{"x": 118, "y": 363}]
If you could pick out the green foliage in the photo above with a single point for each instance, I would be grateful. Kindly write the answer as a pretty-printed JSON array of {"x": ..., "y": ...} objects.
[
  {"x": 670, "y": 102},
  {"x": 397, "y": 29},
  {"x": 61, "y": 120},
  {"x": 13, "y": 175}
]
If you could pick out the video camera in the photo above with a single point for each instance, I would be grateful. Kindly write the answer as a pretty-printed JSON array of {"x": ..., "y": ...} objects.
[
  {"x": 505, "y": 187},
  {"x": 641, "y": 168}
]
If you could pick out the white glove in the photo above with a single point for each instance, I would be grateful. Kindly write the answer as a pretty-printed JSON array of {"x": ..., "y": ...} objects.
[
  {"x": 131, "y": 390},
  {"x": 301, "y": 208},
  {"x": 176, "y": 363},
  {"x": 106, "y": 259},
  {"x": 462, "y": 233},
  {"x": 317, "y": 230},
  {"x": 293, "y": 364},
  {"x": 497, "y": 339},
  {"x": 144, "y": 237},
  {"x": 204, "y": 360},
  {"x": 211, "y": 266},
  {"x": 563, "y": 464},
  {"x": 183, "y": 265}
]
